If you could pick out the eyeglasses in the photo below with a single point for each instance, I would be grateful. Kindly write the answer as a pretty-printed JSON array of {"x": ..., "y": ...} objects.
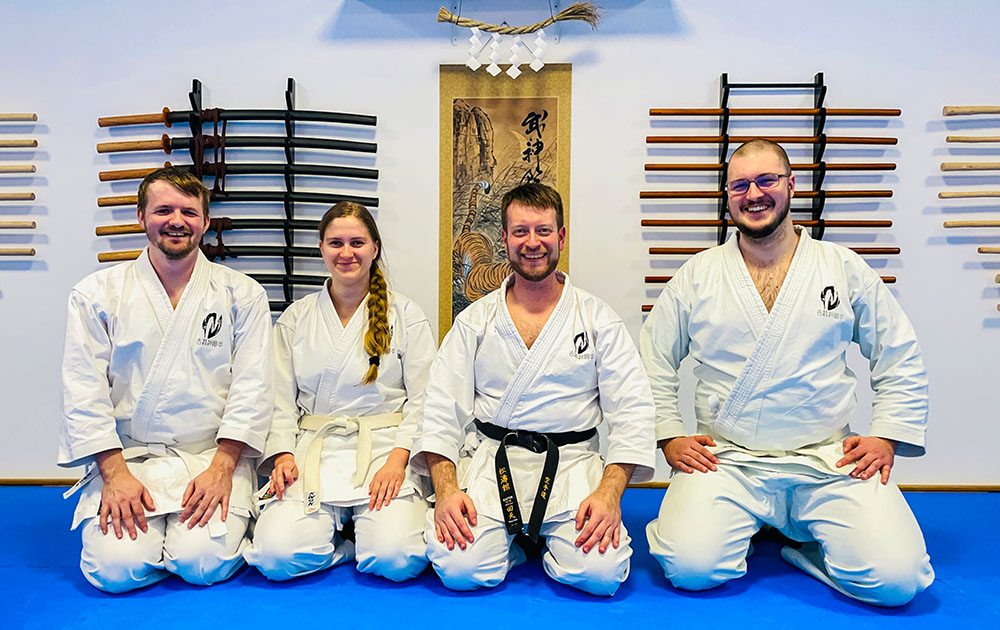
[{"x": 763, "y": 182}]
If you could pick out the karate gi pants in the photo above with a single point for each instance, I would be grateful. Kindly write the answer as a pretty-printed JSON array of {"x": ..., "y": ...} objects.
[
  {"x": 288, "y": 543},
  {"x": 117, "y": 565},
  {"x": 486, "y": 560},
  {"x": 869, "y": 544}
]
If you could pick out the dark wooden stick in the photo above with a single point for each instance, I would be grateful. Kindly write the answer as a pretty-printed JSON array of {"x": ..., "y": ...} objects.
[
  {"x": 772, "y": 111},
  {"x": 780, "y": 139},
  {"x": 715, "y": 194},
  {"x": 805, "y": 223}
]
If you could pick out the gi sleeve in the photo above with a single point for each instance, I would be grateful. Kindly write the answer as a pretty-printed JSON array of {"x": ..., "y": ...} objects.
[
  {"x": 250, "y": 402},
  {"x": 88, "y": 425},
  {"x": 285, "y": 421},
  {"x": 898, "y": 376},
  {"x": 418, "y": 355},
  {"x": 449, "y": 404},
  {"x": 663, "y": 344},
  {"x": 626, "y": 401}
]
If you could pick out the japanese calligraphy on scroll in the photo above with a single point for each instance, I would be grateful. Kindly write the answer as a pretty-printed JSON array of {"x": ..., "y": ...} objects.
[{"x": 495, "y": 135}]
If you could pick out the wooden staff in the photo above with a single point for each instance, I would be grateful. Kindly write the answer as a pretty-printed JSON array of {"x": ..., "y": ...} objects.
[
  {"x": 887, "y": 166},
  {"x": 168, "y": 118},
  {"x": 774, "y": 111},
  {"x": 214, "y": 252},
  {"x": 17, "y": 196},
  {"x": 219, "y": 169},
  {"x": 869, "y": 251},
  {"x": 969, "y": 194},
  {"x": 246, "y": 196},
  {"x": 997, "y": 278},
  {"x": 805, "y": 223},
  {"x": 970, "y": 166},
  {"x": 972, "y": 139},
  {"x": 17, "y": 168},
  {"x": 224, "y": 223},
  {"x": 664, "y": 279},
  {"x": 17, "y": 251},
  {"x": 17, "y": 225},
  {"x": 961, "y": 224},
  {"x": 168, "y": 144},
  {"x": 715, "y": 194},
  {"x": 780, "y": 139},
  {"x": 18, "y": 117},
  {"x": 951, "y": 110},
  {"x": 18, "y": 144},
  {"x": 989, "y": 250}
]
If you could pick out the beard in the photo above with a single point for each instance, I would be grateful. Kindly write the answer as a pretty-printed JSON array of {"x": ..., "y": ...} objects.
[
  {"x": 768, "y": 228},
  {"x": 534, "y": 275},
  {"x": 170, "y": 250}
]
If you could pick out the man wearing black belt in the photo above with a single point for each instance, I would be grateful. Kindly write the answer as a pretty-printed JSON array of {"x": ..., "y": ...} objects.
[{"x": 520, "y": 384}]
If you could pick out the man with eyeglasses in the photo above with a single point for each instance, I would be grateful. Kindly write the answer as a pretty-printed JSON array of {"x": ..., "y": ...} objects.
[{"x": 768, "y": 318}]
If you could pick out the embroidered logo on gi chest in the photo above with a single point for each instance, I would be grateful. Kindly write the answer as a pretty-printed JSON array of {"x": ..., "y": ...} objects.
[
  {"x": 580, "y": 344},
  {"x": 210, "y": 327},
  {"x": 830, "y": 300}
]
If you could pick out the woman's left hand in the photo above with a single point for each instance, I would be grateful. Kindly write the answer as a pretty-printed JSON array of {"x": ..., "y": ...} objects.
[{"x": 388, "y": 480}]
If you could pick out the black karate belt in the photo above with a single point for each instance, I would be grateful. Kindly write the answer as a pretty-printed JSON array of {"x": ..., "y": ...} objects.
[{"x": 535, "y": 442}]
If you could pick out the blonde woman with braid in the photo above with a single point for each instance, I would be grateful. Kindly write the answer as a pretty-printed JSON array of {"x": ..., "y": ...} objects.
[{"x": 351, "y": 365}]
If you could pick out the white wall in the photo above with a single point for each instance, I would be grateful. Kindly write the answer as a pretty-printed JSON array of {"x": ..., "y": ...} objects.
[{"x": 72, "y": 62}]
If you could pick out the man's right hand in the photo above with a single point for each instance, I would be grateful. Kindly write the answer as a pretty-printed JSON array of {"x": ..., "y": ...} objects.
[
  {"x": 688, "y": 454},
  {"x": 123, "y": 496},
  {"x": 454, "y": 511}
]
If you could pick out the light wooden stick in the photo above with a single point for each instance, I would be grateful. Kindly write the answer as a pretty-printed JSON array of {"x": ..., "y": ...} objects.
[
  {"x": 18, "y": 144},
  {"x": 715, "y": 194},
  {"x": 997, "y": 278},
  {"x": 131, "y": 254},
  {"x": 969, "y": 194},
  {"x": 18, "y": 117},
  {"x": 972, "y": 139},
  {"x": 118, "y": 200},
  {"x": 771, "y": 111},
  {"x": 17, "y": 168},
  {"x": 17, "y": 196},
  {"x": 871, "y": 251},
  {"x": 959, "y": 224},
  {"x": 989, "y": 250},
  {"x": 952, "y": 110},
  {"x": 17, "y": 225},
  {"x": 970, "y": 166},
  {"x": 887, "y": 166},
  {"x": 17, "y": 251},
  {"x": 116, "y": 230},
  {"x": 781, "y": 139}
]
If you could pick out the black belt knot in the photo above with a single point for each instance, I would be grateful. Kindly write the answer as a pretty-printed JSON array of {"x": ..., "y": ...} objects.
[{"x": 535, "y": 442}]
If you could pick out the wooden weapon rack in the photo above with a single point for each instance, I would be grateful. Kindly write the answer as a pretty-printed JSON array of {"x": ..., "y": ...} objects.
[{"x": 12, "y": 177}]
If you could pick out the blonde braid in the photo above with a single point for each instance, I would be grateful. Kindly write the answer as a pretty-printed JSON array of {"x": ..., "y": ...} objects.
[{"x": 378, "y": 336}]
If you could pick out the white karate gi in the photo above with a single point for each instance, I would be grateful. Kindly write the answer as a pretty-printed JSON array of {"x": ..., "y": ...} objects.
[
  {"x": 165, "y": 384},
  {"x": 775, "y": 393},
  {"x": 583, "y": 368},
  {"x": 319, "y": 365}
]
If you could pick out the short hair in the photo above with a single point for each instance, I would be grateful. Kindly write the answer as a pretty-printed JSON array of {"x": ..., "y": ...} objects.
[
  {"x": 533, "y": 195},
  {"x": 180, "y": 179},
  {"x": 760, "y": 145}
]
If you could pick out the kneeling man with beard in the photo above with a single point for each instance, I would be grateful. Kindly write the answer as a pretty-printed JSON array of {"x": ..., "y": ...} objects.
[
  {"x": 521, "y": 382},
  {"x": 768, "y": 318}
]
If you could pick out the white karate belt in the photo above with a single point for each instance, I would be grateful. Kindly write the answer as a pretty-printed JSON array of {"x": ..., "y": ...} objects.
[
  {"x": 186, "y": 452},
  {"x": 328, "y": 425}
]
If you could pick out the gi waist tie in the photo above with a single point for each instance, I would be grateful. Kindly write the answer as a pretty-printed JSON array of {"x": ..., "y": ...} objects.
[
  {"x": 535, "y": 442},
  {"x": 327, "y": 425},
  {"x": 132, "y": 450}
]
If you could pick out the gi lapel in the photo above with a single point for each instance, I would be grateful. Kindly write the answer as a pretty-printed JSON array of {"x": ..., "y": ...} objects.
[
  {"x": 177, "y": 324},
  {"x": 342, "y": 349},
  {"x": 772, "y": 326},
  {"x": 533, "y": 360}
]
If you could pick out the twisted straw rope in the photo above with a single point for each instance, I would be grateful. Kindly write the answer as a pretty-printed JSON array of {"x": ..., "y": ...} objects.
[{"x": 586, "y": 11}]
